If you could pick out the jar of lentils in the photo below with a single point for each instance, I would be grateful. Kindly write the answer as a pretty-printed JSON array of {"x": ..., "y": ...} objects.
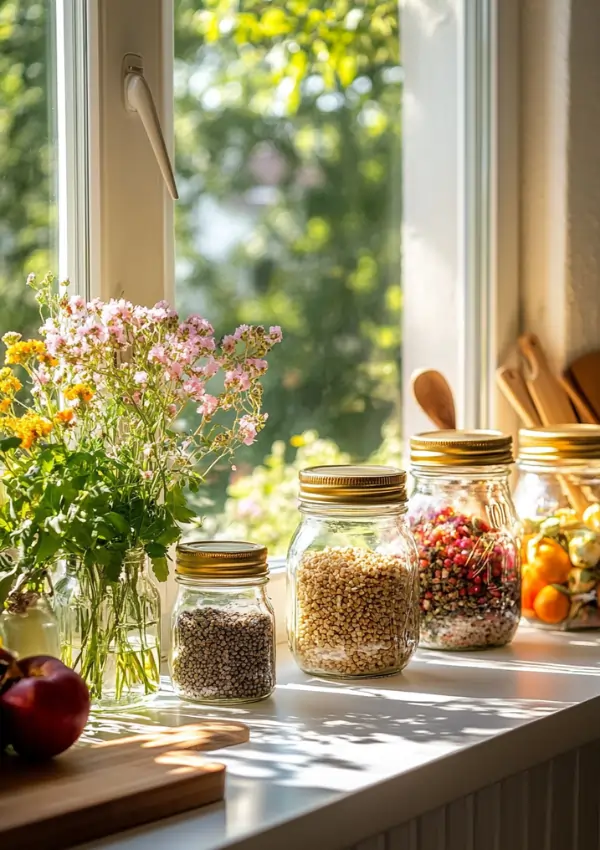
[
  {"x": 223, "y": 626},
  {"x": 558, "y": 502},
  {"x": 465, "y": 525},
  {"x": 352, "y": 574}
]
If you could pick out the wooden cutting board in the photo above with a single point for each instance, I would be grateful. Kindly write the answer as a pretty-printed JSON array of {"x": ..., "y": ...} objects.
[{"x": 95, "y": 790}]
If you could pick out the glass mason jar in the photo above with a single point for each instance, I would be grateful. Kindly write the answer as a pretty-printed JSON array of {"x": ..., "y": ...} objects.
[
  {"x": 465, "y": 525},
  {"x": 352, "y": 574},
  {"x": 110, "y": 631},
  {"x": 29, "y": 627},
  {"x": 223, "y": 625},
  {"x": 557, "y": 499}
]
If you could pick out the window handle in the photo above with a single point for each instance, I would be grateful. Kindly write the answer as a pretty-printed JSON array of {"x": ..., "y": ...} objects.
[{"x": 138, "y": 98}]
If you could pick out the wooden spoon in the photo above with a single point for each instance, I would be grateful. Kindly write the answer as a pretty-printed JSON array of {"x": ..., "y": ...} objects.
[
  {"x": 434, "y": 396},
  {"x": 585, "y": 371}
]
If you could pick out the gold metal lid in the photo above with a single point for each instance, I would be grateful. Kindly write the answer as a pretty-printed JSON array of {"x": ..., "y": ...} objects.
[
  {"x": 559, "y": 444},
  {"x": 221, "y": 559},
  {"x": 352, "y": 485},
  {"x": 460, "y": 448}
]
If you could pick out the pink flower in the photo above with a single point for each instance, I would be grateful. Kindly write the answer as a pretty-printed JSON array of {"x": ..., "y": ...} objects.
[
  {"x": 257, "y": 367},
  {"x": 237, "y": 380},
  {"x": 136, "y": 397},
  {"x": 174, "y": 370},
  {"x": 140, "y": 378},
  {"x": 208, "y": 406},
  {"x": 171, "y": 410},
  {"x": 275, "y": 333},
  {"x": 211, "y": 368},
  {"x": 247, "y": 430},
  {"x": 147, "y": 474},
  {"x": 239, "y": 332},
  {"x": 157, "y": 354},
  {"x": 194, "y": 388},
  {"x": 228, "y": 344}
]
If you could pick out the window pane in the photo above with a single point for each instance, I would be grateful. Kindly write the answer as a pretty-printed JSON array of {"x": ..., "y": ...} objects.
[
  {"x": 27, "y": 156},
  {"x": 288, "y": 155}
]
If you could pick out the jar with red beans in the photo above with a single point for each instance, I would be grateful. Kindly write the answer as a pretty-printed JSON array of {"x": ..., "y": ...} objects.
[{"x": 465, "y": 526}]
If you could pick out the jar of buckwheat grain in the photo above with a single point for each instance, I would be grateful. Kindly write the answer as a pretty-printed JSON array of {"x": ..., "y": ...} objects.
[
  {"x": 223, "y": 626},
  {"x": 352, "y": 574}
]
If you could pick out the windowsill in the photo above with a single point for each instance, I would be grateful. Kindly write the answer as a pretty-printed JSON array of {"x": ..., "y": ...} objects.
[{"x": 451, "y": 724}]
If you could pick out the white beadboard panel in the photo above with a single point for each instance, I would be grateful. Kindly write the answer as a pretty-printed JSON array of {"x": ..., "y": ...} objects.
[
  {"x": 564, "y": 782},
  {"x": 460, "y": 823},
  {"x": 380, "y": 842},
  {"x": 405, "y": 837},
  {"x": 513, "y": 820},
  {"x": 486, "y": 828},
  {"x": 553, "y": 806},
  {"x": 432, "y": 830},
  {"x": 588, "y": 826}
]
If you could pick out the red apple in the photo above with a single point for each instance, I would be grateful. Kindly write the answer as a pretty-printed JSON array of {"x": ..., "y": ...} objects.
[{"x": 43, "y": 712}]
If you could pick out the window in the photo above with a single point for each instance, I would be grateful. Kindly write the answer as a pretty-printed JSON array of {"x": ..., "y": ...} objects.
[
  {"x": 28, "y": 156},
  {"x": 288, "y": 156}
]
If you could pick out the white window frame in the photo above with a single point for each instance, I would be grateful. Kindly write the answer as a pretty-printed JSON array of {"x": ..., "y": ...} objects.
[
  {"x": 460, "y": 176},
  {"x": 488, "y": 251}
]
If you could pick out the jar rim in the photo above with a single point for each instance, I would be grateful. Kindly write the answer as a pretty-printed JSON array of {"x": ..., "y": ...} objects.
[
  {"x": 221, "y": 559},
  {"x": 460, "y": 448},
  {"x": 352, "y": 484},
  {"x": 547, "y": 447}
]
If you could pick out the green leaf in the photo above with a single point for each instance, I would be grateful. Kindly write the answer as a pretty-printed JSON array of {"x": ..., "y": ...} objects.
[
  {"x": 9, "y": 443},
  {"x": 155, "y": 550},
  {"x": 48, "y": 546},
  {"x": 160, "y": 568},
  {"x": 7, "y": 580},
  {"x": 183, "y": 513},
  {"x": 169, "y": 535},
  {"x": 118, "y": 521}
]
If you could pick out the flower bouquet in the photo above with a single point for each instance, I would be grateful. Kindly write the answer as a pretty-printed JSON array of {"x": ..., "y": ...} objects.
[{"x": 96, "y": 466}]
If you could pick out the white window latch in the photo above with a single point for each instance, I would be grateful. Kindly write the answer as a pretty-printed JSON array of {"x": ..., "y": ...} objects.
[{"x": 138, "y": 98}]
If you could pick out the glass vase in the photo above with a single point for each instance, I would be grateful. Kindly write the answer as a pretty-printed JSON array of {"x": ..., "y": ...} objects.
[
  {"x": 110, "y": 631},
  {"x": 30, "y": 629}
]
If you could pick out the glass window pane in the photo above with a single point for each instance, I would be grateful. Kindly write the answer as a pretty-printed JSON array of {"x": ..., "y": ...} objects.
[
  {"x": 27, "y": 156},
  {"x": 288, "y": 141}
]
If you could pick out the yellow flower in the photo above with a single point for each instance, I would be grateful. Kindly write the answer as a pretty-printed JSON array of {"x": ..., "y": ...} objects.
[
  {"x": 5, "y": 405},
  {"x": 29, "y": 427},
  {"x": 65, "y": 417},
  {"x": 9, "y": 384},
  {"x": 21, "y": 352},
  {"x": 83, "y": 392},
  {"x": 297, "y": 441}
]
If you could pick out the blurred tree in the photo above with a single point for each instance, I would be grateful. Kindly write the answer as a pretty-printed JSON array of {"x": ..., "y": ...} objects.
[
  {"x": 288, "y": 153},
  {"x": 27, "y": 206}
]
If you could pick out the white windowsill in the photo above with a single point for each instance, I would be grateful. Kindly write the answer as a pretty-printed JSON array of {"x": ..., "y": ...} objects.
[{"x": 332, "y": 763}]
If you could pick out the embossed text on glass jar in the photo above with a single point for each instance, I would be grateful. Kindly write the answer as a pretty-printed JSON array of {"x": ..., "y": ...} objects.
[{"x": 464, "y": 522}]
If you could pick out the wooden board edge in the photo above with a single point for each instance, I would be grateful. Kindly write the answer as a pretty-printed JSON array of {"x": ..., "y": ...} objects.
[{"x": 109, "y": 817}]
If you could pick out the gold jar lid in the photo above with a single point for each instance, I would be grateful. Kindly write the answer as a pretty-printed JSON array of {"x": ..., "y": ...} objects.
[
  {"x": 221, "y": 559},
  {"x": 352, "y": 485},
  {"x": 559, "y": 444},
  {"x": 460, "y": 448}
]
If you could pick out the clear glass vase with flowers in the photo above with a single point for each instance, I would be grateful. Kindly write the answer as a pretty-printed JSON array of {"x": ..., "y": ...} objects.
[{"x": 96, "y": 469}]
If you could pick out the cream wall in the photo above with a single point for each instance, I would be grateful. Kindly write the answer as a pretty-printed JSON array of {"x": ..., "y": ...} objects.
[{"x": 560, "y": 174}]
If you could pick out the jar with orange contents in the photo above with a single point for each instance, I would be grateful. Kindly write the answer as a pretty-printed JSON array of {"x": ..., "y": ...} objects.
[{"x": 558, "y": 502}]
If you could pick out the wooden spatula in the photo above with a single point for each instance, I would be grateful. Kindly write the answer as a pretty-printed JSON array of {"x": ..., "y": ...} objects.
[
  {"x": 578, "y": 400},
  {"x": 513, "y": 386},
  {"x": 586, "y": 372},
  {"x": 434, "y": 396},
  {"x": 550, "y": 399}
]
